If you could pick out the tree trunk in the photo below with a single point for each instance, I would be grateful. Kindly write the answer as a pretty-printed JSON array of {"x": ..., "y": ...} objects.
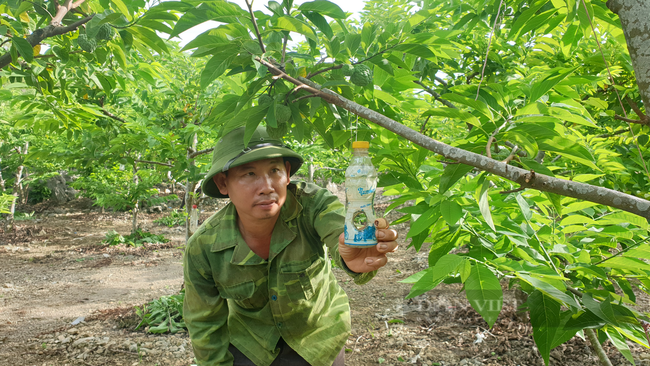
[
  {"x": 2, "y": 181},
  {"x": 136, "y": 180},
  {"x": 189, "y": 189},
  {"x": 16, "y": 193},
  {"x": 598, "y": 348},
  {"x": 635, "y": 19},
  {"x": 311, "y": 171}
]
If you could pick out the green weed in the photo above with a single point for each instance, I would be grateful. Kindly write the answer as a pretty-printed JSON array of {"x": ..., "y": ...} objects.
[
  {"x": 163, "y": 315},
  {"x": 175, "y": 218},
  {"x": 137, "y": 239}
]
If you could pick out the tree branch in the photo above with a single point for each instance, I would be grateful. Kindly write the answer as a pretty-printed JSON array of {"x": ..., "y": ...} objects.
[
  {"x": 153, "y": 162},
  {"x": 62, "y": 10},
  {"x": 40, "y": 34},
  {"x": 523, "y": 177},
  {"x": 201, "y": 152},
  {"x": 53, "y": 55},
  {"x": 111, "y": 115},
  {"x": 435, "y": 95},
  {"x": 635, "y": 108},
  {"x": 257, "y": 30},
  {"x": 638, "y": 121},
  {"x": 605, "y": 135}
]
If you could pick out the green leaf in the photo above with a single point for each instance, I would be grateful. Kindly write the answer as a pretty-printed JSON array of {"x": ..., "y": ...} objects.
[
  {"x": 483, "y": 291},
  {"x": 623, "y": 217},
  {"x": 545, "y": 319},
  {"x": 433, "y": 276},
  {"x": 524, "y": 18},
  {"x": 626, "y": 263},
  {"x": 441, "y": 247},
  {"x": 253, "y": 116},
  {"x": 218, "y": 11},
  {"x": 216, "y": 66},
  {"x": 603, "y": 310},
  {"x": 24, "y": 48},
  {"x": 524, "y": 206},
  {"x": 542, "y": 87},
  {"x": 323, "y": 7},
  {"x": 121, "y": 7},
  {"x": 451, "y": 211},
  {"x": 549, "y": 290},
  {"x": 419, "y": 50},
  {"x": 320, "y": 23},
  {"x": 424, "y": 222},
  {"x": 563, "y": 333},
  {"x": 295, "y": 25},
  {"x": 484, "y": 204},
  {"x": 451, "y": 175},
  {"x": 453, "y": 113},
  {"x": 619, "y": 342}
]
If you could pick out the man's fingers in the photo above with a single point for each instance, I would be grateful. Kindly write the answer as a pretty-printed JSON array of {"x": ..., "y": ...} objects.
[
  {"x": 381, "y": 223},
  {"x": 386, "y": 246},
  {"x": 386, "y": 234},
  {"x": 376, "y": 262}
]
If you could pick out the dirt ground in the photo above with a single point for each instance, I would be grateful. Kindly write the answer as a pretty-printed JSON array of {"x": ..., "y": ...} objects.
[{"x": 54, "y": 272}]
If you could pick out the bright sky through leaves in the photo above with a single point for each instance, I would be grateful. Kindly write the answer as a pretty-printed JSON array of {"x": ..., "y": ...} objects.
[{"x": 348, "y": 6}]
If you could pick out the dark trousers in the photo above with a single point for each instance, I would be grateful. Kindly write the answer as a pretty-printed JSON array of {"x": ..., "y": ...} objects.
[{"x": 287, "y": 357}]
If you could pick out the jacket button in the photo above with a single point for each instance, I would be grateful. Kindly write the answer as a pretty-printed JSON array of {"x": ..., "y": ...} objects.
[{"x": 274, "y": 297}]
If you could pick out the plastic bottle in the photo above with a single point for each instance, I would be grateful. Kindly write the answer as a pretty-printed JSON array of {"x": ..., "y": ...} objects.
[
  {"x": 194, "y": 219},
  {"x": 360, "y": 186}
]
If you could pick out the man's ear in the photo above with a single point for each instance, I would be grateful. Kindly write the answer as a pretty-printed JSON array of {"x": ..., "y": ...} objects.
[
  {"x": 220, "y": 181},
  {"x": 287, "y": 166}
]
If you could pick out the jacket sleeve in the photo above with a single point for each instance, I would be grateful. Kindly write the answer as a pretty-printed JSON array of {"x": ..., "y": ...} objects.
[
  {"x": 205, "y": 311},
  {"x": 329, "y": 218}
]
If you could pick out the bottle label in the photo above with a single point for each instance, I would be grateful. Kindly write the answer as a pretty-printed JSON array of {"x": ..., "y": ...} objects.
[{"x": 359, "y": 229}]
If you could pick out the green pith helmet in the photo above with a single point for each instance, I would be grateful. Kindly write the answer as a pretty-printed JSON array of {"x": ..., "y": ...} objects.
[{"x": 231, "y": 152}]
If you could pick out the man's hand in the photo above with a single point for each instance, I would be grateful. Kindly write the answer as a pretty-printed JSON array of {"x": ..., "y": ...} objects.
[{"x": 368, "y": 259}]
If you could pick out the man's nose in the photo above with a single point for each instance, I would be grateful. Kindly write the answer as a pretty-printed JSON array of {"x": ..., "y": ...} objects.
[{"x": 266, "y": 185}]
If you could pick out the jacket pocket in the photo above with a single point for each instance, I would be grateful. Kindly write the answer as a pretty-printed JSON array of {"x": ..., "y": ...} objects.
[
  {"x": 303, "y": 284},
  {"x": 241, "y": 293}
]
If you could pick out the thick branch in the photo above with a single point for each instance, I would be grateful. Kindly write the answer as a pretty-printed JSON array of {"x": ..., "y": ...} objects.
[
  {"x": 523, "y": 177},
  {"x": 40, "y": 34}
]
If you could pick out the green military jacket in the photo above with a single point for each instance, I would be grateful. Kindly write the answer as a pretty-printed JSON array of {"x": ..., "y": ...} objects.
[{"x": 234, "y": 296}]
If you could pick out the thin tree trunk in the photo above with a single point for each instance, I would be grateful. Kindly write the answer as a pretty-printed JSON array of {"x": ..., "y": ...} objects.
[
  {"x": 189, "y": 188},
  {"x": 136, "y": 180},
  {"x": 2, "y": 181},
  {"x": 598, "y": 348},
  {"x": 635, "y": 20},
  {"x": 311, "y": 170},
  {"x": 16, "y": 193}
]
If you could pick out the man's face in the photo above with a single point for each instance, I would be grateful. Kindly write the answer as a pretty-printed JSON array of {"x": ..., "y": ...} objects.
[{"x": 257, "y": 189}]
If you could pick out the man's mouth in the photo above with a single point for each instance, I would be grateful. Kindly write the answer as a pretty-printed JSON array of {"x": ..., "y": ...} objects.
[{"x": 265, "y": 203}]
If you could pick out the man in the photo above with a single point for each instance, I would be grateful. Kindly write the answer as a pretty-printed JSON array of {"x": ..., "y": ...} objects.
[{"x": 259, "y": 289}]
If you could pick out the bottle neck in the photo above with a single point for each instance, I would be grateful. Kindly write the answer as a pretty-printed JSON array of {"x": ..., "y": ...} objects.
[{"x": 360, "y": 152}]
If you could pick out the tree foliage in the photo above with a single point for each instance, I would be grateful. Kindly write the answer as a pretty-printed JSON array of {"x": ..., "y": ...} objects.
[{"x": 531, "y": 94}]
